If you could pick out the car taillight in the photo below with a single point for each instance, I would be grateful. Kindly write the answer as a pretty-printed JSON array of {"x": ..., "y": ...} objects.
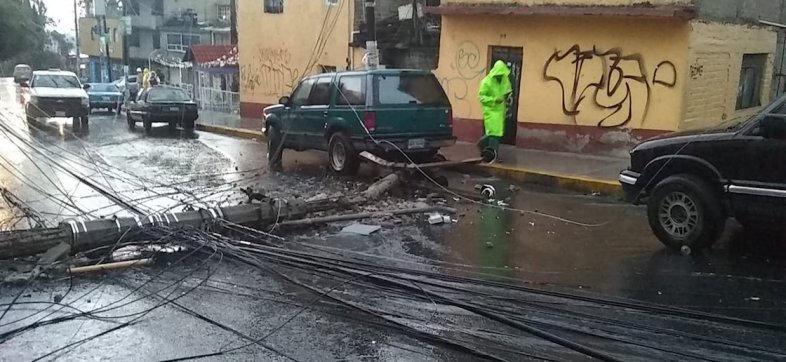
[
  {"x": 370, "y": 121},
  {"x": 450, "y": 117}
]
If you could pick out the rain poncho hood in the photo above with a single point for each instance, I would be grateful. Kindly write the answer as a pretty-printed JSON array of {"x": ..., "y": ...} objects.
[{"x": 491, "y": 90}]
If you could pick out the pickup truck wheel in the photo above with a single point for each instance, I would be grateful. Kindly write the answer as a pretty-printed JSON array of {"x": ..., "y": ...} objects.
[
  {"x": 343, "y": 158},
  {"x": 148, "y": 125},
  {"x": 131, "y": 123},
  {"x": 275, "y": 148},
  {"x": 684, "y": 211}
]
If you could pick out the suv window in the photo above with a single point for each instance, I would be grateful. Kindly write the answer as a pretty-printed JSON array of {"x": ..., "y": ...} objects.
[
  {"x": 55, "y": 81},
  {"x": 408, "y": 88},
  {"x": 351, "y": 90},
  {"x": 300, "y": 96},
  {"x": 320, "y": 95},
  {"x": 167, "y": 95}
]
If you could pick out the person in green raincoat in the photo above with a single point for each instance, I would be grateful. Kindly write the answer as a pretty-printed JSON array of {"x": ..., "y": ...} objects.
[{"x": 493, "y": 95}]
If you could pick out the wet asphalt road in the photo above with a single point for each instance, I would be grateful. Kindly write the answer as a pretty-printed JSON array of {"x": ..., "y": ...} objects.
[{"x": 616, "y": 256}]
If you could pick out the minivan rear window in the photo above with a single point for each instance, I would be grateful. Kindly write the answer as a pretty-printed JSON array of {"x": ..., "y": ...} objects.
[{"x": 409, "y": 88}]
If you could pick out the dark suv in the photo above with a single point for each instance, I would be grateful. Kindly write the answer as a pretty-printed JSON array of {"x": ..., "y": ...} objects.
[
  {"x": 386, "y": 112},
  {"x": 693, "y": 181}
]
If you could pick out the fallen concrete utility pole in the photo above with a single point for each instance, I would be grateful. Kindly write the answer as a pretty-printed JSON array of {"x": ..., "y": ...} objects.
[
  {"x": 83, "y": 235},
  {"x": 367, "y": 215},
  {"x": 76, "y": 235}
]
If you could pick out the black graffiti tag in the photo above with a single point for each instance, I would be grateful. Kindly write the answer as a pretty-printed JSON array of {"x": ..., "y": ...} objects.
[{"x": 611, "y": 80}]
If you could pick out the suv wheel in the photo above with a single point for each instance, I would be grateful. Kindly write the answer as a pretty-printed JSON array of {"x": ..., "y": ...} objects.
[
  {"x": 148, "y": 125},
  {"x": 684, "y": 211},
  {"x": 343, "y": 158},
  {"x": 84, "y": 120},
  {"x": 275, "y": 147}
]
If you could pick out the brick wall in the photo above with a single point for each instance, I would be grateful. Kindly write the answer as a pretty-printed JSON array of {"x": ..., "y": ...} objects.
[{"x": 715, "y": 61}]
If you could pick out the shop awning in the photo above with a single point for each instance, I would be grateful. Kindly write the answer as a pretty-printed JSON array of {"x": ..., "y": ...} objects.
[
  {"x": 212, "y": 56},
  {"x": 686, "y": 12}
]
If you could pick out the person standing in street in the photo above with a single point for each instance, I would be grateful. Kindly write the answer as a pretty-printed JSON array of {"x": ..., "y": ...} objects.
[{"x": 493, "y": 94}]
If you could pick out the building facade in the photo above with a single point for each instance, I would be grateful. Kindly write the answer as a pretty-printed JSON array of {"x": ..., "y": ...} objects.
[
  {"x": 598, "y": 76},
  {"x": 90, "y": 32},
  {"x": 162, "y": 30},
  {"x": 280, "y": 41}
]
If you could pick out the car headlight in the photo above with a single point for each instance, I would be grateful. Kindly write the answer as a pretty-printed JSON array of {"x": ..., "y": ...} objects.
[
  {"x": 85, "y": 101},
  {"x": 33, "y": 99}
]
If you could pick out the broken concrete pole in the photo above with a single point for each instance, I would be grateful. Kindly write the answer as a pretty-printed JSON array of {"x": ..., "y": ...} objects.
[
  {"x": 30, "y": 242},
  {"x": 83, "y": 235},
  {"x": 382, "y": 186},
  {"x": 366, "y": 215}
]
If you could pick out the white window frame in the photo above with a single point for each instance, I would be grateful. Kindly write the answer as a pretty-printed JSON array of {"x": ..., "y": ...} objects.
[{"x": 180, "y": 46}]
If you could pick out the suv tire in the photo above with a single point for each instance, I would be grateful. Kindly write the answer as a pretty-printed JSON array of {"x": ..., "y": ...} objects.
[
  {"x": 342, "y": 157},
  {"x": 84, "y": 120},
  {"x": 188, "y": 126},
  {"x": 684, "y": 211},
  {"x": 275, "y": 148}
]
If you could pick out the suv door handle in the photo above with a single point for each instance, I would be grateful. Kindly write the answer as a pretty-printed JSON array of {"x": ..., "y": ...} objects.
[{"x": 325, "y": 113}]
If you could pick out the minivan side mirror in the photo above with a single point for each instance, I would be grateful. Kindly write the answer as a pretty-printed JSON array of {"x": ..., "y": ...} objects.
[
  {"x": 284, "y": 100},
  {"x": 773, "y": 125},
  {"x": 86, "y": 86}
]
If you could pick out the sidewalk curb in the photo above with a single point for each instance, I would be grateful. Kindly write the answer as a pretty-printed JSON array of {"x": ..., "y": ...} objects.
[
  {"x": 566, "y": 182},
  {"x": 232, "y": 132}
]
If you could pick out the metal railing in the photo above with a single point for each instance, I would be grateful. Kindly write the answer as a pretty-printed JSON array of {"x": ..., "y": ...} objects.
[{"x": 216, "y": 100}]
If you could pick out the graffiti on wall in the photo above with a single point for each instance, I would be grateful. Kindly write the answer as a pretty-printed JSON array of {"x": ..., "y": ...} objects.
[
  {"x": 609, "y": 88},
  {"x": 269, "y": 73},
  {"x": 468, "y": 69}
]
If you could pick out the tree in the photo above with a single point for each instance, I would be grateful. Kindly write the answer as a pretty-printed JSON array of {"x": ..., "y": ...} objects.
[
  {"x": 22, "y": 27},
  {"x": 23, "y": 37}
]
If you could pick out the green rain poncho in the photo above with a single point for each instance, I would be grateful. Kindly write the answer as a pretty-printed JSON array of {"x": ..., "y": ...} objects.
[{"x": 492, "y": 90}]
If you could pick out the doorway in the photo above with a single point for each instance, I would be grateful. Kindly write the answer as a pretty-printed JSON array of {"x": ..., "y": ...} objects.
[{"x": 514, "y": 58}]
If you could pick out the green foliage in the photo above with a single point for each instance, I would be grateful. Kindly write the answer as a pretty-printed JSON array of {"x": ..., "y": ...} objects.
[
  {"x": 22, "y": 27},
  {"x": 23, "y": 37}
]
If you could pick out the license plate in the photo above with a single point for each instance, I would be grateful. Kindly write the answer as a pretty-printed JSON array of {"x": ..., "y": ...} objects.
[
  {"x": 417, "y": 143},
  {"x": 174, "y": 109},
  {"x": 60, "y": 114},
  {"x": 106, "y": 98}
]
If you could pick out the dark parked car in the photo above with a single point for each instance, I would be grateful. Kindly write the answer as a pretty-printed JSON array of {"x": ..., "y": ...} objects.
[
  {"x": 105, "y": 95},
  {"x": 693, "y": 181},
  {"x": 163, "y": 104},
  {"x": 381, "y": 111},
  {"x": 22, "y": 73},
  {"x": 56, "y": 93}
]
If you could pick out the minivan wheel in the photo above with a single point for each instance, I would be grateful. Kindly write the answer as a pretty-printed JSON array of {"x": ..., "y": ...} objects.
[
  {"x": 684, "y": 211},
  {"x": 343, "y": 158}
]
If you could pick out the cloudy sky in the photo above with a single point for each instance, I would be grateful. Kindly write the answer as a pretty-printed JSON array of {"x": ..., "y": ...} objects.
[{"x": 62, "y": 13}]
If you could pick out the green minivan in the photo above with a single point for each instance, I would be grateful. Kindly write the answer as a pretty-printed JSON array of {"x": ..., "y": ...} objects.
[{"x": 393, "y": 113}]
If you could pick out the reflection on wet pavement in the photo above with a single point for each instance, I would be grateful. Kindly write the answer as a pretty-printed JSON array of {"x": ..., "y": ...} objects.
[{"x": 742, "y": 277}]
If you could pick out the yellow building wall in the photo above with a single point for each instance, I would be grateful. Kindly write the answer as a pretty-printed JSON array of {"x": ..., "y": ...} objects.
[
  {"x": 716, "y": 52},
  {"x": 625, "y": 73},
  {"x": 90, "y": 43},
  {"x": 277, "y": 50},
  {"x": 569, "y": 2}
]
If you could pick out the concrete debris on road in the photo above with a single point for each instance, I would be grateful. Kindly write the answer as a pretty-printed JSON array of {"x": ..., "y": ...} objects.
[
  {"x": 437, "y": 218},
  {"x": 361, "y": 229}
]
